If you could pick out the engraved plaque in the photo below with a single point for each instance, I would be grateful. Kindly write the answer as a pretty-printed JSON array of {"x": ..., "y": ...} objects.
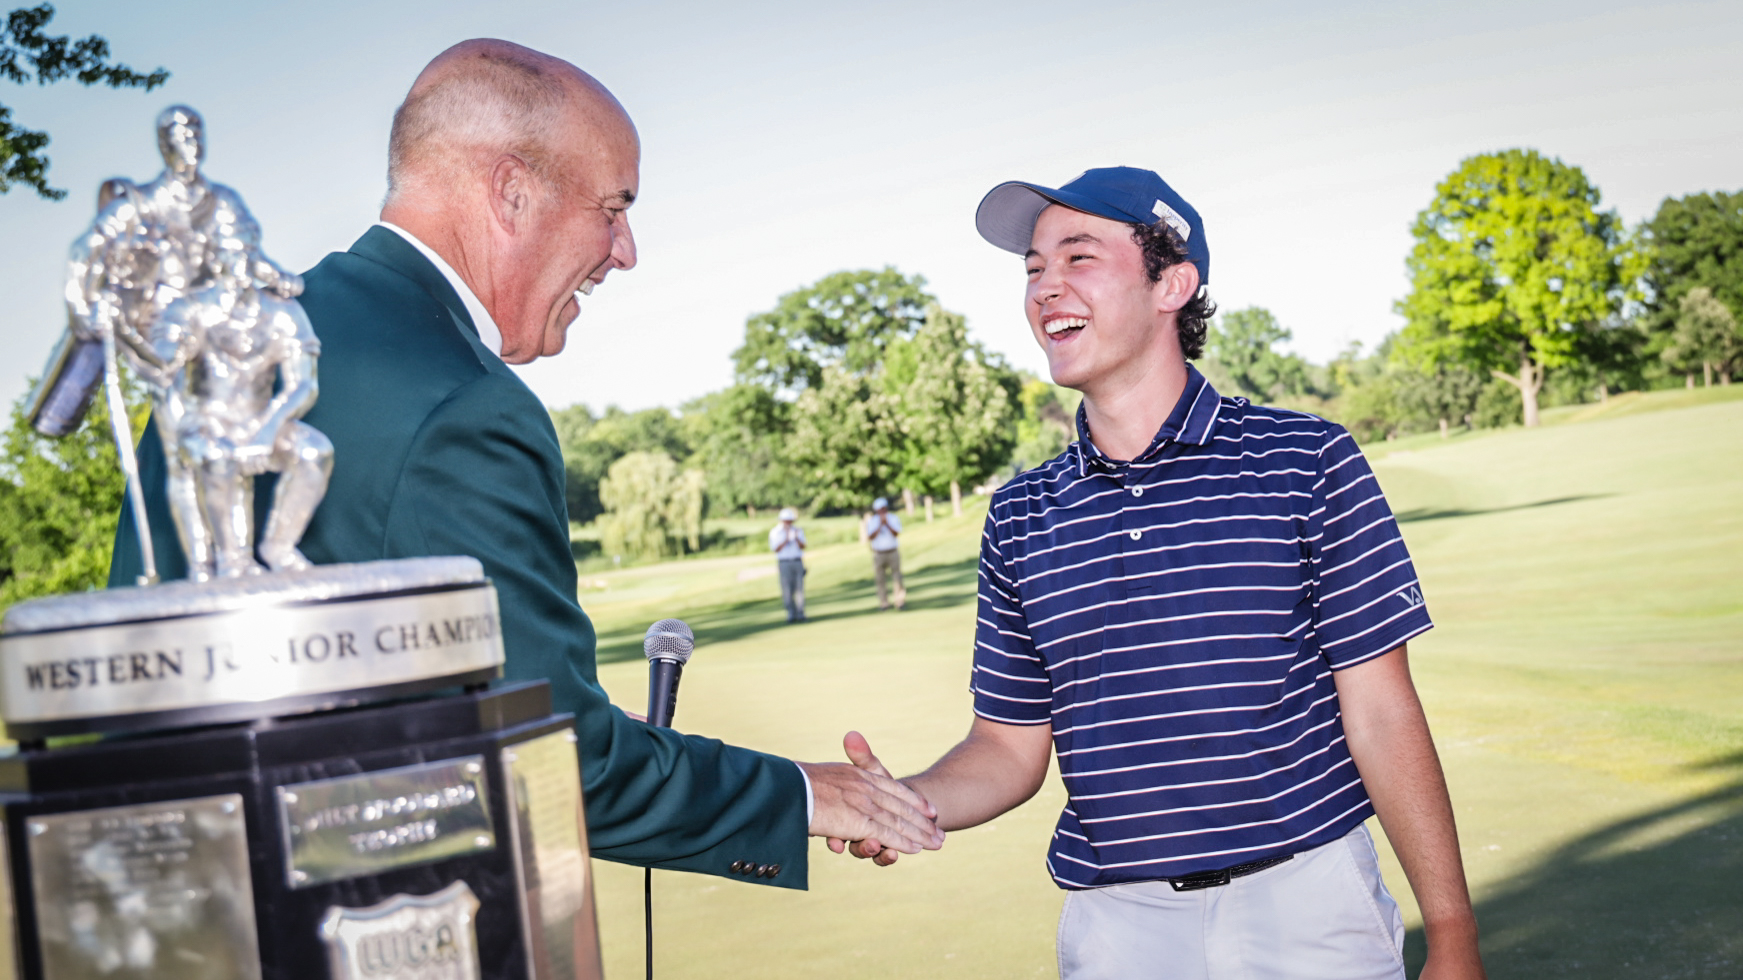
[
  {"x": 407, "y": 937},
  {"x": 373, "y": 821},
  {"x": 551, "y": 860},
  {"x": 157, "y": 890},
  {"x": 216, "y": 655}
]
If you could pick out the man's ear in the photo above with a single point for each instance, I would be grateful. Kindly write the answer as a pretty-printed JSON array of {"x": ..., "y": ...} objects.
[
  {"x": 511, "y": 189},
  {"x": 1176, "y": 288}
]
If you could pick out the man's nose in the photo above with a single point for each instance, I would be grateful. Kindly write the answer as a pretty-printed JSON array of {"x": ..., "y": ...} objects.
[
  {"x": 1047, "y": 287},
  {"x": 623, "y": 246}
]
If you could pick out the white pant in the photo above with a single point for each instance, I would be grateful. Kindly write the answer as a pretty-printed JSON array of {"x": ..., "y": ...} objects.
[{"x": 1325, "y": 915}]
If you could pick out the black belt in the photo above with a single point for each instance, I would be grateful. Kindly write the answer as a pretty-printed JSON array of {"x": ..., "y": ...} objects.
[{"x": 1213, "y": 879}]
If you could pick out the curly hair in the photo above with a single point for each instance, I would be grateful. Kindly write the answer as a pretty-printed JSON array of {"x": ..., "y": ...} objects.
[{"x": 1162, "y": 248}]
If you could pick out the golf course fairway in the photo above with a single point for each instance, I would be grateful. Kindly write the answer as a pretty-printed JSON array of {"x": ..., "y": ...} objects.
[{"x": 1584, "y": 681}]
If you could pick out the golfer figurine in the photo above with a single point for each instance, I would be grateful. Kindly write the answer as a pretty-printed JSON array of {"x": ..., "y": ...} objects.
[
  {"x": 171, "y": 273},
  {"x": 787, "y": 541}
]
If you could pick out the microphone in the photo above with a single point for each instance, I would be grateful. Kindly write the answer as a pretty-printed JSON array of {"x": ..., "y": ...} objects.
[{"x": 668, "y": 646}]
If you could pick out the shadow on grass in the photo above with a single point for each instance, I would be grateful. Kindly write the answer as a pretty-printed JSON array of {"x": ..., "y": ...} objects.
[
  {"x": 1657, "y": 895},
  {"x": 931, "y": 587},
  {"x": 1428, "y": 514}
]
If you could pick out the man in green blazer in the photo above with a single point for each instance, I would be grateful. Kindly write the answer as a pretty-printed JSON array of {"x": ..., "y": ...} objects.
[{"x": 509, "y": 176}]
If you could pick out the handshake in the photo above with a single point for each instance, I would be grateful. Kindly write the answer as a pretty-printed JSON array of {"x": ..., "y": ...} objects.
[{"x": 861, "y": 808}]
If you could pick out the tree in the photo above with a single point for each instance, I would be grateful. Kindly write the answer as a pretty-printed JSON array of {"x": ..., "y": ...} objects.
[
  {"x": 1696, "y": 242},
  {"x": 1513, "y": 265},
  {"x": 1046, "y": 423},
  {"x": 843, "y": 320},
  {"x": 957, "y": 405},
  {"x": 847, "y": 440},
  {"x": 26, "y": 53},
  {"x": 591, "y": 444},
  {"x": 59, "y": 501},
  {"x": 1244, "y": 343},
  {"x": 652, "y": 510},
  {"x": 1706, "y": 336},
  {"x": 740, "y": 435}
]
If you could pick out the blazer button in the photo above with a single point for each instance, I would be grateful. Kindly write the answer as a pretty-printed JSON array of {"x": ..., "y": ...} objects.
[
  {"x": 762, "y": 871},
  {"x": 774, "y": 869},
  {"x": 737, "y": 866}
]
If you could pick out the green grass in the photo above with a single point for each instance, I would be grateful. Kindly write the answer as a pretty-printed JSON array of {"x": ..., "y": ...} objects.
[{"x": 1585, "y": 684}]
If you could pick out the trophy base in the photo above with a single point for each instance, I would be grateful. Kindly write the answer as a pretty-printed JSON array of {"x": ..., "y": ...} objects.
[
  {"x": 199, "y": 653},
  {"x": 433, "y": 838}
]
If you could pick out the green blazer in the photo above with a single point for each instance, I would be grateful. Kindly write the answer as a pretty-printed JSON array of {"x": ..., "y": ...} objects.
[{"x": 440, "y": 450}]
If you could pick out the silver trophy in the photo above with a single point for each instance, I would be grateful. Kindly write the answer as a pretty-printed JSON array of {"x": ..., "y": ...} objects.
[
  {"x": 171, "y": 275},
  {"x": 258, "y": 645}
]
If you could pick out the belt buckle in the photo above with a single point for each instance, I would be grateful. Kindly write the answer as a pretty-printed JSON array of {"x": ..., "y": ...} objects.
[{"x": 1202, "y": 880}]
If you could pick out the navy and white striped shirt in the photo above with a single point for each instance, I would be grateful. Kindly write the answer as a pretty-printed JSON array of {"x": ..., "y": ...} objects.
[{"x": 1177, "y": 619}]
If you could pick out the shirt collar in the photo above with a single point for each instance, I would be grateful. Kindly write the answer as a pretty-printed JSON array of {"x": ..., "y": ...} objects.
[
  {"x": 1191, "y": 423},
  {"x": 488, "y": 334}
]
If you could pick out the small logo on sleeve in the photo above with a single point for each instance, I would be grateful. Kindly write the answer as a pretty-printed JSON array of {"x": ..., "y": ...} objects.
[{"x": 1412, "y": 596}]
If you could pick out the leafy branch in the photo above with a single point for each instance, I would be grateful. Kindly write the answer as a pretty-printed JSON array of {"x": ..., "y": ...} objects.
[{"x": 26, "y": 54}]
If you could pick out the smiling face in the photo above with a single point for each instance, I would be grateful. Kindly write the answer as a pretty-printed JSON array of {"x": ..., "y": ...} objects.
[
  {"x": 576, "y": 231},
  {"x": 1090, "y": 304}
]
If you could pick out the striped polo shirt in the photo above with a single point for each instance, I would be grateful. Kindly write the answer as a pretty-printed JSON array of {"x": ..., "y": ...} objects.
[{"x": 1177, "y": 619}]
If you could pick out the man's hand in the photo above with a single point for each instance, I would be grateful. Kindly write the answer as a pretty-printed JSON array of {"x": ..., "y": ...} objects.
[
  {"x": 861, "y": 802},
  {"x": 860, "y": 754}
]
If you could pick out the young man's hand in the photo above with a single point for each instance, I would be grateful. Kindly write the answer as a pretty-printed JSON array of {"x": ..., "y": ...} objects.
[
  {"x": 862, "y": 802},
  {"x": 1387, "y": 734},
  {"x": 860, "y": 754}
]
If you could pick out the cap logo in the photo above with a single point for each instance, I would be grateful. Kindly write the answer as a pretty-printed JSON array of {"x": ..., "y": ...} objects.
[{"x": 1173, "y": 218}]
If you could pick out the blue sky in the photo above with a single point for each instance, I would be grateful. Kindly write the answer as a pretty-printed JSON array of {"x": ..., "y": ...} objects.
[{"x": 786, "y": 141}]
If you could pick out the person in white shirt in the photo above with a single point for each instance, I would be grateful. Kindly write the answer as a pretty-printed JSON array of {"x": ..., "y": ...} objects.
[
  {"x": 881, "y": 530},
  {"x": 787, "y": 541}
]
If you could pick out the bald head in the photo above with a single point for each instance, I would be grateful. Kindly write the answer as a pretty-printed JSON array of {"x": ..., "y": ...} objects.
[
  {"x": 483, "y": 98},
  {"x": 518, "y": 169}
]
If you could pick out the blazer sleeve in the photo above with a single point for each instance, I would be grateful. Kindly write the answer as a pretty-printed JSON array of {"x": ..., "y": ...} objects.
[{"x": 484, "y": 478}]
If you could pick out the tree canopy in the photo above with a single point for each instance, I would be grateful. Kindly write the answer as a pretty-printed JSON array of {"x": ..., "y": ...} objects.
[
  {"x": 957, "y": 404},
  {"x": 1696, "y": 243},
  {"x": 59, "y": 501},
  {"x": 652, "y": 509},
  {"x": 1513, "y": 266},
  {"x": 1244, "y": 344},
  {"x": 1706, "y": 337},
  {"x": 29, "y": 54},
  {"x": 843, "y": 320}
]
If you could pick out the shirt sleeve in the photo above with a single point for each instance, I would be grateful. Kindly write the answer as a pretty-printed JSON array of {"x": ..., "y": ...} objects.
[
  {"x": 1009, "y": 681},
  {"x": 1367, "y": 598}
]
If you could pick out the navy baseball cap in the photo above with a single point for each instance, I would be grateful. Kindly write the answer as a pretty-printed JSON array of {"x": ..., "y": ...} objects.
[{"x": 1006, "y": 216}]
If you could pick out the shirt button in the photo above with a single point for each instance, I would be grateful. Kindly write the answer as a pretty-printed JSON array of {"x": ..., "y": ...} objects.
[
  {"x": 1137, "y": 534},
  {"x": 1137, "y": 491}
]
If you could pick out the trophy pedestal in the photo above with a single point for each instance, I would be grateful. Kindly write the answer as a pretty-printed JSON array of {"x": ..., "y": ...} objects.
[
  {"x": 425, "y": 839},
  {"x": 316, "y": 823}
]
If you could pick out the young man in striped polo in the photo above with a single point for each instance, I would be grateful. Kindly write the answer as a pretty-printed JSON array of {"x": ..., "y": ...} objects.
[{"x": 1202, "y": 607}]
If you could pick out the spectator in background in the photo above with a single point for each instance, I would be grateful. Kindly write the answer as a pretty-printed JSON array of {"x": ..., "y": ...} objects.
[
  {"x": 787, "y": 541},
  {"x": 881, "y": 530}
]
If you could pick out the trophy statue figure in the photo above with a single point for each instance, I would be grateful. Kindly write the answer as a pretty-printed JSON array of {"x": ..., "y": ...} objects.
[{"x": 172, "y": 274}]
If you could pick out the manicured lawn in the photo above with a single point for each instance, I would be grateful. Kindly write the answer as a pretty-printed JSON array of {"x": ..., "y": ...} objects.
[{"x": 1585, "y": 684}]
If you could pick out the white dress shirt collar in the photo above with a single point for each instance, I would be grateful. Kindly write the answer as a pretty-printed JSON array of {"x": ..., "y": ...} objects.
[{"x": 488, "y": 334}]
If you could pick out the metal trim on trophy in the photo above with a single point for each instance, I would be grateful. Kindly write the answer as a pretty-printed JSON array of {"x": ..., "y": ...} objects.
[{"x": 285, "y": 769}]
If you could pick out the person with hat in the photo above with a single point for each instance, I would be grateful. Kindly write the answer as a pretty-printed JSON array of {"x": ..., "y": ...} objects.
[
  {"x": 1201, "y": 608},
  {"x": 787, "y": 541},
  {"x": 882, "y": 529}
]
